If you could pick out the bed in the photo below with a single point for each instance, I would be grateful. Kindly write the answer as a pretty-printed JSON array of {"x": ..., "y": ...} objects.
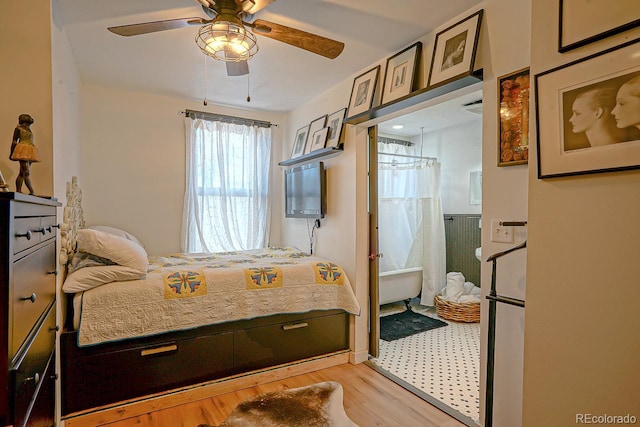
[{"x": 139, "y": 325}]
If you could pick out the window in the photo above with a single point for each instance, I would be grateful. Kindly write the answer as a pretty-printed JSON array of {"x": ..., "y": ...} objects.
[{"x": 226, "y": 204}]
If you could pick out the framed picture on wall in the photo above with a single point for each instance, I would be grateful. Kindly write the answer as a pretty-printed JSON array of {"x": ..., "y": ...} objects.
[
  {"x": 299, "y": 142},
  {"x": 513, "y": 118},
  {"x": 400, "y": 74},
  {"x": 364, "y": 88},
  {"x": 586, "y": 21},
  {"x": 319, "y": 139},
  {"x": 314, "y": 126},
  {"x": 588, "y": 114},
  {"x": 334, "y": 122},
  {"x": 455, "y": 51}
]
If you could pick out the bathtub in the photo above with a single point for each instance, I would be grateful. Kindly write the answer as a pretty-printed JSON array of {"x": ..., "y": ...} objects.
[{"x": 400, "y": 285}]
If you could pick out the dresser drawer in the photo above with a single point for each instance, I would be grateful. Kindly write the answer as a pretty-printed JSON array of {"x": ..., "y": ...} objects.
[
  {"x": 26, "y": 233},
  {"x": 29, "y": 370},
  {"x": 155, "y": 368},
  {"x": 271, "y": 345},
  {"x": 32, "y": 289}
]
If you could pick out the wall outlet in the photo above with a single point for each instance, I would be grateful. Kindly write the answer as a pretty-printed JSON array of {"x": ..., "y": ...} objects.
[{"x": 500, "y": 233}]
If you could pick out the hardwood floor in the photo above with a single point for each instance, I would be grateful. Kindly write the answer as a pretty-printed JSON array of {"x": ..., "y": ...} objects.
[{"x": 370, "y": 399}]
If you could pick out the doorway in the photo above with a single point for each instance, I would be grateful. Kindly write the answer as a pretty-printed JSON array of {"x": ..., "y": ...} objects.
[{"x": 427, "y": 176}]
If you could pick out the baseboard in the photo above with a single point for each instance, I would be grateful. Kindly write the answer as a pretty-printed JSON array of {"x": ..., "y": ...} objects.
[
  {"x": 356, "y": 357},
  {"x": 146, "y": 404}
]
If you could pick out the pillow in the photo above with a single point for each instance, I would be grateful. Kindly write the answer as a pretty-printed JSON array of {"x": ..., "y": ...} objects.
[
  {"x": 90, "y": 277},
  {"x": 116, "y": 232},
  {"x": 123, "y": 252}
]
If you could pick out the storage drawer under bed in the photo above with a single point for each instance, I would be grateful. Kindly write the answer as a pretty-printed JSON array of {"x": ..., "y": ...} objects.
[{"x": 101, "y": 379}]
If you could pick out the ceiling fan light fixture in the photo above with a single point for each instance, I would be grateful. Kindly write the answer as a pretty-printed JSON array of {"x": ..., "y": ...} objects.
[{"x": 227, "y": 41}]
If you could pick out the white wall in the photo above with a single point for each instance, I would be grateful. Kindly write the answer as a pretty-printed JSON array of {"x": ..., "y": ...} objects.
[
  {"x": 581, "y": 341},
  {"x": 133, "y": 162}
]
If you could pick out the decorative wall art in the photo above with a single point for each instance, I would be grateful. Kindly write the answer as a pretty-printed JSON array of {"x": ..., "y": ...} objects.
[
  {"x": 586, "y": 21},
  {"x": 299, "y": 142},
  {"x": 334, "y": 122},
  {"x": 319, "y": 139},
  {"x": 364, "y": 87},
  {"x": 314, "y": 126},
  {"x": 513, "y": 118},
  {"x": 588, "y": 114},
  {"x": 401, "y": 72},
  {"x": 455, "y": 51}
]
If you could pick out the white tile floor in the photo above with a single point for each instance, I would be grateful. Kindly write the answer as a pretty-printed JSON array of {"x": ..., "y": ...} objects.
[{"x": 443, "y": 363}]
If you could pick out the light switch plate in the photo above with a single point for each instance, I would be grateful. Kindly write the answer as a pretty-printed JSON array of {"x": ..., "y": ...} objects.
[{"x": 500, "y": 233}]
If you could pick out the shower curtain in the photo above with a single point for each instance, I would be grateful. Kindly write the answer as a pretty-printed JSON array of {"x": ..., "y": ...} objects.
[{"x": 411, "y": 223}]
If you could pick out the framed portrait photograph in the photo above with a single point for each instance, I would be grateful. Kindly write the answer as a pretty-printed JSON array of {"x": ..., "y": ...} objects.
[
  {"x": 364, "y": 88},
  {"x": 319, "y": 139},
  {"x": 334, "y": 122},
  {"x": 299, "y": 142},
  {"x": 314, "y": 126},
  {"x": 455, "y": 51},
  {"x": 513, "y": 118},
  {"x": 401, "y": 72},
  {"x": 586, "y": 21},
  {"x": 588, "y": 114}
]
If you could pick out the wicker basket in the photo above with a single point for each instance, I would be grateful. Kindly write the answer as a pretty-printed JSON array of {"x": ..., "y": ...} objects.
[{"x": 459, "y": 312}]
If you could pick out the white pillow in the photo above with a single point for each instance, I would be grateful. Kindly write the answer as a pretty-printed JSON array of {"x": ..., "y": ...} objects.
[
  {"x": 123, "y": 252},
  {"x": 90, "y": 277},
  {"x": 116, "y": 232}
]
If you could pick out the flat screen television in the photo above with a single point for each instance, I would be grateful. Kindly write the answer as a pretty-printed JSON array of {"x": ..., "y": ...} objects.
[{"x": 305, "y": 191}]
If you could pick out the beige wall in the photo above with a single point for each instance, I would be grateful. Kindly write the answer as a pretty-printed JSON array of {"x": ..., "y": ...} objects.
[
  {"x": 25, "y": 48},
  {"x": 133, "y": 162},
  {"x": 582, "y": 341}
]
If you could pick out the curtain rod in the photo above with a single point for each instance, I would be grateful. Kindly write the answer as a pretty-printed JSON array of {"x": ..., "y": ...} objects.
[
  {"x": 385, "y": 140},
  {"x": 192, "y": 114}
]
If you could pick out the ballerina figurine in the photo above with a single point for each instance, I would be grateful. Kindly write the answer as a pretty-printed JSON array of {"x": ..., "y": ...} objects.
[{"x": 24, "y": 151}]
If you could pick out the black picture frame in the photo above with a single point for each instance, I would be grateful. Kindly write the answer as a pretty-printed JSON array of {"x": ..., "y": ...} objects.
[
  {"x": 560, "y": 95},
  {"x": 314, "y": 126},
  {"x": 335, "y": 124},
  {"x": 582, "y": 22},
  {"x": 299, "y": 142},
  {"x": 400, "y": 78},
  {"x": 363, "y": 91}
]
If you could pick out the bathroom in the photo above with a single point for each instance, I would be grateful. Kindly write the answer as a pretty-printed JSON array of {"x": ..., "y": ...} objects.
[{"x": 429, "y": 185}]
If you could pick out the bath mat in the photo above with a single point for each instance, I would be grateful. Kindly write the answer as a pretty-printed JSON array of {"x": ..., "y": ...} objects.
[
  {"x": 316, "y": 405},
  {"x": 405, "y": 324}
]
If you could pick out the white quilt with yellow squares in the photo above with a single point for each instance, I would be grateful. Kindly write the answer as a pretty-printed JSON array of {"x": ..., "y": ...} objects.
[{"x": 184, "y": 291}]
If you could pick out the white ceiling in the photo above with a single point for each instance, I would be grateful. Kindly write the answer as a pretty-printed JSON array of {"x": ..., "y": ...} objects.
[{"x": 281, "y": 76}]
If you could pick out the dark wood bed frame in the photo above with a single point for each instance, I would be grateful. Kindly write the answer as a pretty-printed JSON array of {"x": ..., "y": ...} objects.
[{"x": 108, "y": 373}]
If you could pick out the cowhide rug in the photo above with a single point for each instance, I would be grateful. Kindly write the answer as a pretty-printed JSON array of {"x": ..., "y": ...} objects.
[{"x": 316, "y": 405}]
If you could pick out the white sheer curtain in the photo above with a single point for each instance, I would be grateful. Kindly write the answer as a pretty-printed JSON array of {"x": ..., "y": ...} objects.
[
  {"x": 411, "y": 223},
  {"x": 226, "y": 204}
]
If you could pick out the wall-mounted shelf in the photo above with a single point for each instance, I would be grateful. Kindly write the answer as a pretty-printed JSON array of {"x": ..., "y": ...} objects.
[
  {"x": 323, "y": 153},
  {"x": 414, "y": 98}
]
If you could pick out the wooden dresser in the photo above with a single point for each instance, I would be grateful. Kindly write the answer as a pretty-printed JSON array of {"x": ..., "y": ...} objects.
[{"x": 28, "y": 230}]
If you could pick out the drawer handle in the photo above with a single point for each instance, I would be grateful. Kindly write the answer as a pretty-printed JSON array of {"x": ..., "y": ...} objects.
[
  {"x": 159, "y": 350},
  {"x": 28, "y": 235},
  {"x": 35, "y": 378},
  {"x": 31, "y": 298},
  {"x": 40, "y": 230},
  {"x": 54, "y": 272},
  {"x": 295, "y": 326},
  {"x": 55, "y": 226},
  {"x": 55, "y": 328}
]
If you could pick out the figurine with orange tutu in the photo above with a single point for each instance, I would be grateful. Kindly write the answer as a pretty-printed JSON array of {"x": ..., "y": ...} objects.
[{"x": 24, "y": 151}]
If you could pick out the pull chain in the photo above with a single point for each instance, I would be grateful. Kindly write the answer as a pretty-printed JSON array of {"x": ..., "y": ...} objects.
[
  {"x": 206, "y": 80},
  {"x": 248, "y": 87}
]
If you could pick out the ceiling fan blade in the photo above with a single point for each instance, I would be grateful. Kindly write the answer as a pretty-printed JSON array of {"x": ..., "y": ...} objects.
[
  {"x": 152, "y": 27},
  {"x": 239, "y": 68},
  {"x": 298, "y": 38},
  {"x": 252, "y": 6}
]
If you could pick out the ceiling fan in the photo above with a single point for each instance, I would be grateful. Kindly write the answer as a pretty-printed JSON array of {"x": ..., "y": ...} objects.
[{"x": 225, "y": 36}]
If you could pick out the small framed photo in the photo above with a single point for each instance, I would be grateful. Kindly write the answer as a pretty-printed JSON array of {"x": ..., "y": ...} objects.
[
  {"x": 364, "y": 88},
  {"x": 319, "y": 139},
  {"x": 455, "y": 51},
  {"x": 334, "y": 122},
  {"x": 586, "y": 21},
  {"x": 513, "y": 118},
  {"x": 299, "y": 142},
  {"x": 400, "y": 74},
  {"x": 314, "y": 126},
  {"x": 588, "y": 114}
]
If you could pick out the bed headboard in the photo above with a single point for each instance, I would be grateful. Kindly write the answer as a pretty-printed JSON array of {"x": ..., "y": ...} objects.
[{"x": 72, "y": 221}]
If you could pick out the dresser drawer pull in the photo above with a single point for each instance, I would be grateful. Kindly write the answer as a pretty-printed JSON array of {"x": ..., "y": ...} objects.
[
  {"x": 31, "y": 298},
  {"x": 55, "y": 328},
  {"x": 295, "y": 326},
  {"x": 28, "y": 235},
  {"x": 54, "y": 272},
  {"x": 40, "y": 230},
  {"x": 159, "y": 350},
  {"x": 35, "y": 378}
]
